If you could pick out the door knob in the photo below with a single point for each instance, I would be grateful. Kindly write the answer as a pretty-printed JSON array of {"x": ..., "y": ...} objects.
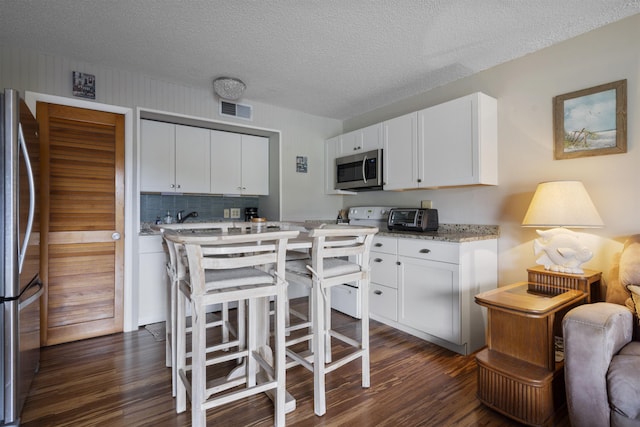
[{"x": 115, "y": 236}]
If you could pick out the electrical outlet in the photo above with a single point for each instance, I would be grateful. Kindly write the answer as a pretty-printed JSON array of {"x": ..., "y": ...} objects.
[
  {"x": 235, "y": 212},
  {"x": 226, "y": 213},
  {"x": 426, "y": 204}
]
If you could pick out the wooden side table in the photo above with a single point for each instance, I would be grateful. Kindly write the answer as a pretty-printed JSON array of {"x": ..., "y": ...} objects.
[
  {"x": 517, "y": 373},
  {"x": 588, "y": 282}
]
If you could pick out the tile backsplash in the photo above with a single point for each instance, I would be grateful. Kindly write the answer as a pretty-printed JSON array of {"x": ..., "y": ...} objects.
[{"x": 209, "y": 208}]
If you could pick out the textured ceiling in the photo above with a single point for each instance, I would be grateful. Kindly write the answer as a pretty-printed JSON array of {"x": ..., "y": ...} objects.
[{"x": 334, "y": 58}]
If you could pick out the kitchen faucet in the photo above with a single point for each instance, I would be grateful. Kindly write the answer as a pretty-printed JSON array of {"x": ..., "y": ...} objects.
[{"x": 182, "y": 219}]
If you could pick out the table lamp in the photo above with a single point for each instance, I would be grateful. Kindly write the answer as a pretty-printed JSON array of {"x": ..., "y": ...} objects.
[{"x": 563, "y": 205}]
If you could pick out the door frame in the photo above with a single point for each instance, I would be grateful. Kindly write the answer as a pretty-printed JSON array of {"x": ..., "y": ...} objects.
[{"x": 130, "y": 298}]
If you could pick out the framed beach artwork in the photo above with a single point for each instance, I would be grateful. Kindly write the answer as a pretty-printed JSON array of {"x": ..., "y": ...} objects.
[{"x": 591, "y": 122}]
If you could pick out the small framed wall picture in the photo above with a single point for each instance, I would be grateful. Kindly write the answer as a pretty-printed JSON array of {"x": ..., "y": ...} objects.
[
  {"x": 591, "y": 122},
  {"x": 84, "y": 85},
  {"x": 301, "y": 164}
]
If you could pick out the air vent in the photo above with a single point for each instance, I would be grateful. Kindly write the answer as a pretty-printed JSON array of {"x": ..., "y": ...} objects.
[{"x": 236, "y": 110}]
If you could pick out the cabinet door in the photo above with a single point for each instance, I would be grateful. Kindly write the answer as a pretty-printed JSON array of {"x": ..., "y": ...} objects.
[
  {"x": 446, "y": 150},
  {"x": 192, "y": 159},
  {"x": 351, "y": 143},
  {"x": 152, "y": 281},
  {"x": 226, "y": 162},
  {"x": 400, "y": 148},
  {"x": 372, "y": 137},
  {"x": 157, "y": 156},
  {"x": 429, "y": 297},
  {"x": 255, "y": 165}
]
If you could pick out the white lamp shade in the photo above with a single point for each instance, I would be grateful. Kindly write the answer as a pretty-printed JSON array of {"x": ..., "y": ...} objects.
[{"x": 562, "y": 204}]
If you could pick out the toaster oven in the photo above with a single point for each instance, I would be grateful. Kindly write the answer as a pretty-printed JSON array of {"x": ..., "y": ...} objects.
[{"x": 413, "y": 219}]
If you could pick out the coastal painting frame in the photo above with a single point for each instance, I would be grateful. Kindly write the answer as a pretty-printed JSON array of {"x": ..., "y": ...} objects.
[{"x": 591, "y": 122}]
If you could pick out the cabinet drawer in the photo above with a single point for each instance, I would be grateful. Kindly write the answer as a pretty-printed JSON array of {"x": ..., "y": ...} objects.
[
  {"x": 383, "y": 301},
  {"x": 385, "y": 244},
  {"x": 429, "y": 250},
  {"x": 384, "y": 269},
  {"x": 150, "y": 244}
]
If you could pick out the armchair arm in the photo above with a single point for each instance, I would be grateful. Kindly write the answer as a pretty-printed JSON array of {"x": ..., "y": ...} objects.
[{"x": 593, "y": 334}]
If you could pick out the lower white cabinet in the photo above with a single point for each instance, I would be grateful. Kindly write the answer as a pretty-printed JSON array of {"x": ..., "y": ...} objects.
[
  {"x": 427, "y": 288},
  {"x": 152, "y": 280}
]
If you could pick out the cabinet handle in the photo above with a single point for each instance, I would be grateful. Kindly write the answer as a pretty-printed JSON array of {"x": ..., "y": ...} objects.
[
  {"x": 178, "y": 185},
  {"x": 377, "y": 292},
  {"x": 377, "y": 260},
  {"x": 172, "y": 186},
  {"x": 398, "y": 263},
  {"x": 378, "y": 245},
  {"x": 419, "y": 180},
  {"x": 425, "y": 251}
]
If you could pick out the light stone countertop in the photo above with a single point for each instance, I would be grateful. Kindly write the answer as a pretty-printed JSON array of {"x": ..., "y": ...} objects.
[{"x": 456, "y": 233}]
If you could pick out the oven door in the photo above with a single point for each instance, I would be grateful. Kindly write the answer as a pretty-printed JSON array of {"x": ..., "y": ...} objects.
[{"x": 359, "y": 171}]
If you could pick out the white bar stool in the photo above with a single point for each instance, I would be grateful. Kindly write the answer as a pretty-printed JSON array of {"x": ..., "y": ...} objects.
[
  {"x": 236, "y": 267},
  {"x": 327, "y": 268},
  {"x": 177, "y": 270}
]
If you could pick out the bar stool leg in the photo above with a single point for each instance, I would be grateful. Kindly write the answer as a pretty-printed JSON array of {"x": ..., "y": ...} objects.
[
  {"x": 364, "y": 324},
  {"x": 181, "y": 350},
  {"x": 280, "y": 358},
  {"x": 198, "y": 363},
  {"x": 319, "y": 401}
]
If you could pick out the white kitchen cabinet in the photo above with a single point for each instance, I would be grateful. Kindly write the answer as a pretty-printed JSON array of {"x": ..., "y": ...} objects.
[
  {"x": 457, "y": 142},
  {"x": 450, "y": 144},
  {"x": 400, "y": 166},
  {"x": 152, "y": 280},
  {"x": 173, "y": 158},
  {"x": 361, "y": 140},
  {"x": 239, "y": 164},
  {"x": 427, "y": 288}
]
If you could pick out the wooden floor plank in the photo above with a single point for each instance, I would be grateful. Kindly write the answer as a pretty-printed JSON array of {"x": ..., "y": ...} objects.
[{"x": 121, "y": 380}]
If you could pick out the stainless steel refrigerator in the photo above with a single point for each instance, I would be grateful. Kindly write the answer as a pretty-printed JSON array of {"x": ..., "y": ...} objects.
[{"x": 20, "y": 254}]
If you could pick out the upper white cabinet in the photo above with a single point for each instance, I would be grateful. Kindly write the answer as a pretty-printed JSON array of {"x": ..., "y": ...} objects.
[
  {"x": 361, "y": 140},
  {"x": 400, "y": 165},
  {"x": 450, "y": 144},
  {"x": 457, "y": 142},
  {"x": 173, "y": 158},
  {"x": 239, "y": 164}
]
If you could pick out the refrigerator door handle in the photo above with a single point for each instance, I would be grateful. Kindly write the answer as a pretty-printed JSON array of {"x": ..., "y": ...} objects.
[
  {"x": 32, "y": 197},
  {"x": 34, "y": 297}
]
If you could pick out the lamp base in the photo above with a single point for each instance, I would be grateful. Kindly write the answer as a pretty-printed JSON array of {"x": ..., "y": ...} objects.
[{"x": 560, "y": 250}]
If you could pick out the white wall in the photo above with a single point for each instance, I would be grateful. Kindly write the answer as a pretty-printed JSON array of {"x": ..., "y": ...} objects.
[
  {"x": 525, "y": 88},
  {"x": 302, "y": 134}
]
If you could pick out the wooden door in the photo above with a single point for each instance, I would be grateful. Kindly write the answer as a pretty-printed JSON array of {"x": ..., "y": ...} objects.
[{"x": 82, "y": 221}]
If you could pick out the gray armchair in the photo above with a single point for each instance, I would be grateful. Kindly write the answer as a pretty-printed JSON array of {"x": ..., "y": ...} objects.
[
  {"x": 602, "y": 349},
  {"x": 602, "y": 366}
]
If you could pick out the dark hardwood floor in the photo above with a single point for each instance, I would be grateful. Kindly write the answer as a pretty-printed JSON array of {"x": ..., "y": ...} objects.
[{"x": 121, "y": 380}]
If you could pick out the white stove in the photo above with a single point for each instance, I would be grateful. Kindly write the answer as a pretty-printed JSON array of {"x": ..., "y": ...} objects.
[
  {"x": 370, "y": 215},
  {"x": 346, "y": 298}
]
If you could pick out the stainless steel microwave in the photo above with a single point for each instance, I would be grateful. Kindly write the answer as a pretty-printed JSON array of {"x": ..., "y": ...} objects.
[{"x": 359, "y": 172}]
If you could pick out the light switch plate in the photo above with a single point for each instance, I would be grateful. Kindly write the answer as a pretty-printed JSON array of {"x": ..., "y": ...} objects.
[
  {"x": 426, "y": 204},
  {"x": 226, "y": 213},
  {"x": 235, "y": 212}
]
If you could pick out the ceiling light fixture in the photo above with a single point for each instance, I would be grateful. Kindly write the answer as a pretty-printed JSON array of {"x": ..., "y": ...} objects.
[{"x": 229, "y": 88}]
